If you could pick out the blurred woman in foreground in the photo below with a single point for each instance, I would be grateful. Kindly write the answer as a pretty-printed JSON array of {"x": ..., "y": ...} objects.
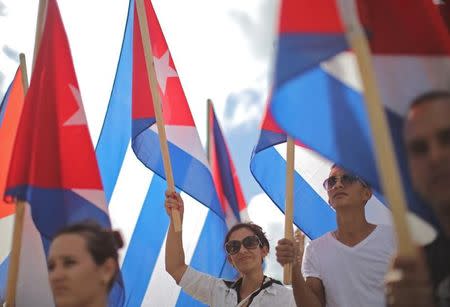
[{"x": 83, "y": 264}]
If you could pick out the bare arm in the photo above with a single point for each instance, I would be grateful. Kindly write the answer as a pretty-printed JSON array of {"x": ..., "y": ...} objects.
[
  {"x": 175, "y": 261},
  {"x": 309, "y": 293}
]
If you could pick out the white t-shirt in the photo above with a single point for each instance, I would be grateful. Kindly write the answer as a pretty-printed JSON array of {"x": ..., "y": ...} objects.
[
  {"x": 215, "y": 292},
  {"x": 351, "y": 276}
]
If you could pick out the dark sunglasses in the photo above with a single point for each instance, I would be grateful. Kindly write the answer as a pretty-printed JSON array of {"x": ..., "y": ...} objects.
[
  {"x": 234, "y": 246},
  {"x": 345, "y": 179}
]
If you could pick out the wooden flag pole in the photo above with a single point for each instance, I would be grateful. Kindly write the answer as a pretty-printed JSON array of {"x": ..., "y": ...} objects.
[
  {"x": 151, "y": 73},
  {"x": 289, "y": 205},
  {"x": 13, "y": 269},
  {"x": 14, "y": 259},
  {"x": 208, "y": 128},
  {"x": 39, "y": 28},
  {"x": 386, "y": 160}
]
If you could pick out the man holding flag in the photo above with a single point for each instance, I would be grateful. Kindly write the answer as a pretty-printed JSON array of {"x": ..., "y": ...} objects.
[{"x": 357, "y": 253}]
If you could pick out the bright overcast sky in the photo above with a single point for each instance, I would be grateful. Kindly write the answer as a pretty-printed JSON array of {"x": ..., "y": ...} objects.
[
  {"x": 219, "y": 47},
  {"x": 222, "y": 49}
]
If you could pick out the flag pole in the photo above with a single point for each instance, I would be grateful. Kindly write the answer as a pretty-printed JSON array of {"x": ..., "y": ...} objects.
[
  {"x": 289, "y": 205},
  {"x": 151, "y": 74},
  {"x": 14, "y": 260},
  {"x": 208, "y": 128},
  {"x": 39, "y": 28},
  {"x": 384, "y": 152}
]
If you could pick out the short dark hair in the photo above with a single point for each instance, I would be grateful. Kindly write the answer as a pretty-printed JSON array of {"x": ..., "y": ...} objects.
[
  {"x": 363, "y": 182},
  {"x": 256, "y": 229},
  {"x": 101, "y": 243},
  {"x": 429, "y": 96}
]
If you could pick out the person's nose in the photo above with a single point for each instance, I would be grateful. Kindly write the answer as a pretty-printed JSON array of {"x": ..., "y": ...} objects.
[
  {"x": 338, "y": 183},
  {"x": 242, "y": 250},
  {"x": 437, "y": 152},
  {"x": 56, "y": 274}
]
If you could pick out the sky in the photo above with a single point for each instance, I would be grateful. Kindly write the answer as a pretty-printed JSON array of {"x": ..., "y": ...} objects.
[{"x": 222, "y": 50}]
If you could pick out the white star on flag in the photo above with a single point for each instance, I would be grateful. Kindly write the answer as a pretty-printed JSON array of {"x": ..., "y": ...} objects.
[
  {"x": 78, "y": 118},
  {"x": 164, "y": 70}
]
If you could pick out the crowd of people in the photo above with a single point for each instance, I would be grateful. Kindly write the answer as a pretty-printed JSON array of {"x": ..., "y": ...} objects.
[{"x": 354, "y": 265}]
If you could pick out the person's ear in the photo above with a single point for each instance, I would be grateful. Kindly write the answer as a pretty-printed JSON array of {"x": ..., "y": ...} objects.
[
  {"x": 367, "y": 194},
  {"x": 108, "y": 270},
  {"x": 265, "y": 251}
]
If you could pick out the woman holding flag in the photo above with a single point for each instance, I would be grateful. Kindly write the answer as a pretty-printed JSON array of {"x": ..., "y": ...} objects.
[{"x": 246, "y": 246}]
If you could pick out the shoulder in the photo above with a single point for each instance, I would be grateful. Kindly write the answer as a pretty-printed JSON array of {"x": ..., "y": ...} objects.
[
  {"x": 385, "y": 229},
  {"x": 385, "y": 232},
  {"x": 384, "y": 239},
  {"x": 192, "y": 276},
  {"x": 280, "y": 294},
  {"x": 281, "y": 289},
  {"x": 321, "y": 242},
  {"x": 206, "y": 288},
  {"x": 318, "y": 248}
]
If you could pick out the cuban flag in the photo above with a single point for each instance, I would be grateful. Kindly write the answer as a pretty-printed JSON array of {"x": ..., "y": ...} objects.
[
  {"x": 190, "y": 166},
  {"x": 224, "y": 173},
  {"x": 317, "y": 95},
  {"x": 53, "y": 166},
  {"x": 10, "y": 110},
  {"x": 136, "y": 195}
]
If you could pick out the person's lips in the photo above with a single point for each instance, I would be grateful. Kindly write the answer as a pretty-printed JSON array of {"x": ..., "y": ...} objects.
[
  {"x": 244, "y": 258},
  {"x": 339, "y": 194},
  {"x": 60, "y": 289}
]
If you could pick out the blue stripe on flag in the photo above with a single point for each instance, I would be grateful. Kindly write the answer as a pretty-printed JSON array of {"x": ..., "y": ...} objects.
[
  {"x": 43, "y": 201},
  {"x": 4, "y": 102},
  {"x": 339, "y": 120},
  {"x": 295, "y": 52},
  {"x": 146, "y": 242},
  {"x": 112, "y": 144},
  {"x": 186, "y": 168},
  {"x": 3, "y": 277},
  {"x": 226, "y": 176},
  {"x": 269, "y": 138},
  {"x": 309, "y": 206}
]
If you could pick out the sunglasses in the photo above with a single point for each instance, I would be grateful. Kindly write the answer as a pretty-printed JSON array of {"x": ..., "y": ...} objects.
[
  {"x": 234, "y": 246},
  {"x": 345, "y": 180}
]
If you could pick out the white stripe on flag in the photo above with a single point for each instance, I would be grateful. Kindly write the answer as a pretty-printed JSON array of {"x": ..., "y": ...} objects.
[
  {"x": 33, "y": 288},
  {"x": 6, "y": 229},
  {"x": 401, "y": 69},
  {"x": 128, "y": 196},
  {"x": 186, "y": 138}
]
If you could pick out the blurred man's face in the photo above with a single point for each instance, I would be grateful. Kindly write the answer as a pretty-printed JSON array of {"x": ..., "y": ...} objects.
[{"x": 427, "y": 137}]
